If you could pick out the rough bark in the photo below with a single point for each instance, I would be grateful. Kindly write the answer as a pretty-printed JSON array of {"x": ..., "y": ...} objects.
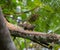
[
  {"x": 5, "y": 39},
  {"x": 38, "y": 37},
  {"x": 53, "y": 37}
]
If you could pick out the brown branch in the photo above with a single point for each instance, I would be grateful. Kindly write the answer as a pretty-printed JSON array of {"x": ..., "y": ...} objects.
[
  {"x": 43, "y": 35},
  {"x": 32, "y": 38},
  {"x": 41, "y": 38}
]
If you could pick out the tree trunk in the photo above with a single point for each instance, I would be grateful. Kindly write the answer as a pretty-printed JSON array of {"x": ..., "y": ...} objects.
[{"x": 5, "y": 39}]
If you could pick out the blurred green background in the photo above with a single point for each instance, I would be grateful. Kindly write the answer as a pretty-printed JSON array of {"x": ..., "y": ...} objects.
[{"x": 48, "y": 19}]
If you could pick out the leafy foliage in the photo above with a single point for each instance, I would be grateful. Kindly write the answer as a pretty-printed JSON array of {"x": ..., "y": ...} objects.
[{"x": 49, "y": 13}]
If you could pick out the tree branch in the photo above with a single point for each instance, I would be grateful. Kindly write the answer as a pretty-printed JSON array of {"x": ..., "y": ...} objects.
[
  {"x": 43, "y": 39},
  {"x": 21, "y": 30}
]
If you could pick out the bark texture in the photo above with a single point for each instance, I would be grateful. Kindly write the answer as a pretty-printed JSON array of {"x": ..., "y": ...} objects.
[{"x": 5, "y": 39}]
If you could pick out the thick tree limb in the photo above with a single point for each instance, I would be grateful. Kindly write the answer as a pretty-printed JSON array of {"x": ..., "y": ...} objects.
[
  {"x": 41, "y": 38},
  {"x": 21, "y": 30},
  {"x": 47, "y": 37}
]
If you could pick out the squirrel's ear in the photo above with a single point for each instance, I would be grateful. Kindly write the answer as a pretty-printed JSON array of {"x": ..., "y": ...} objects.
[{"x": 33, "y": 17}]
